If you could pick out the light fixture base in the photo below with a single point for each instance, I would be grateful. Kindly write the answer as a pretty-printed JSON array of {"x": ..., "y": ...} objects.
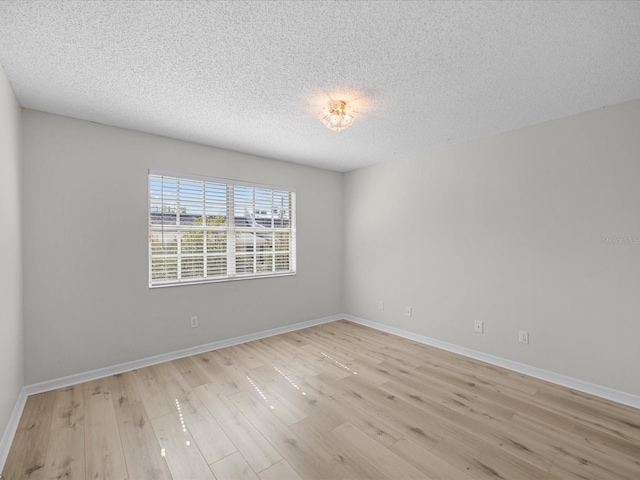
[{"x": 338, "y": 116}]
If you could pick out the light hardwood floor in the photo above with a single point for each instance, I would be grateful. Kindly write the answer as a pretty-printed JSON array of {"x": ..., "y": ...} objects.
[{"x": 329, "y": 402}]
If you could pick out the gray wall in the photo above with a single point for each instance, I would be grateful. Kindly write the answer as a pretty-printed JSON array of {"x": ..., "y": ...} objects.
[
  {"x": 87, "y": 301},
  {"x": 510, "y": 230},
  {"x": 11, "y": 332}
]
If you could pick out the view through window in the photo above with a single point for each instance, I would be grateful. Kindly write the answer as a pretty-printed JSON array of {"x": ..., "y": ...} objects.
[{"x": 207, "y": 229}]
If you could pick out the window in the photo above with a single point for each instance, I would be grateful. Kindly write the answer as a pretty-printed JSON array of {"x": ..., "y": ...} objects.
[{"x": 207, "y": 229}]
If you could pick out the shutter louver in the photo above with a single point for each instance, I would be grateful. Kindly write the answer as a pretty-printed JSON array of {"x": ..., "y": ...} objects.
[{"x": 203, "y": 230}]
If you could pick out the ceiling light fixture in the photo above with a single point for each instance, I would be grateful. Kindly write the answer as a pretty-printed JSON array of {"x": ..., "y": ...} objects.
[{"x": 338, "y": 116}]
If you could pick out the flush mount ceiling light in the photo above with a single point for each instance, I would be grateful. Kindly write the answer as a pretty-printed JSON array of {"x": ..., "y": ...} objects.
[{"x": 338, "y": 116}]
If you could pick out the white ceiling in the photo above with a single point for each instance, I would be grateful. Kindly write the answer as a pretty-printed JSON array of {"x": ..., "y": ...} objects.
[{"x": 250, "y": 75}]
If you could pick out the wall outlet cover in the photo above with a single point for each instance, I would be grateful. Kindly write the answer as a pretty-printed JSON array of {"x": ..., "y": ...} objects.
[
  {"x": 523, "y": 336},
  {"x": 478, "y": 326}
]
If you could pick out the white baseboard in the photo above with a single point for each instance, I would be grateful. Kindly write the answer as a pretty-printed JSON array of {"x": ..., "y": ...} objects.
[
  {"x": 166, "y": 357},
  {"x": 9, "y": 433},
  {"x": 12, "y": 427},
  {"x": 563, "y": 380}
]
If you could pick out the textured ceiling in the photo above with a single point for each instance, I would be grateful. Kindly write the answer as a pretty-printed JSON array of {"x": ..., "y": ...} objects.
[{"x": 250, "y": 75}]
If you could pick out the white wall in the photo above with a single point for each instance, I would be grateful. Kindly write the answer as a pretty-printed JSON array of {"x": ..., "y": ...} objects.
[
  {"x": 87, "y": 301},
  {"x": 11, "y": 331},
  {"x": 509, "y": 230}
]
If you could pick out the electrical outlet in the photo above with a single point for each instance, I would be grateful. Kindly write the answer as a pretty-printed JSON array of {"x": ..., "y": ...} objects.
[
  {"x": 478, "y": 326},
  {"x": 194, "y": 322},
  {"x": 380, "y": 305},
  {"x": 523, "y": 336},
  {"x": 407, "y": 311}
]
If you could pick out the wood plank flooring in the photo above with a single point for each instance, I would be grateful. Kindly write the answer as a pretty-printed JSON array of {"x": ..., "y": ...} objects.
[{"x": 336, "y": 401}]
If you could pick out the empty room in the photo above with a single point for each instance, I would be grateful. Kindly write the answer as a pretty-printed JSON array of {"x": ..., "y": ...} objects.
[{"x": 285, "y": 240}]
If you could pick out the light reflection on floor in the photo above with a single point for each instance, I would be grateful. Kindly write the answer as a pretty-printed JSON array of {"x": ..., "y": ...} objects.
[
  {"x": 260, "y": 392},
  {"x": 338, "y": 363},
  {"x": 288, "y": 380}
]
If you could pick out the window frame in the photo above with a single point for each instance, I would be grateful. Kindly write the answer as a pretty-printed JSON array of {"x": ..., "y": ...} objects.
[{"x": 230, "y": 228}]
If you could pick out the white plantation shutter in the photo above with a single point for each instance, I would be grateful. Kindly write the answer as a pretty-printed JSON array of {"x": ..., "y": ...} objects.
[{"x": 206, "y": 229}]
